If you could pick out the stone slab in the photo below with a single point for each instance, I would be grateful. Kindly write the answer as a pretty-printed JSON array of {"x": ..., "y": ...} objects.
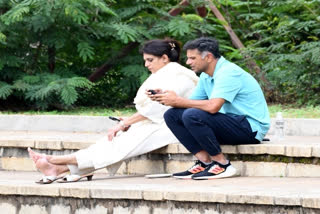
[
  {"x": 75, "y": 123},
  {"x": 291, "y": 146},
  {"x": 237, "y": 190},
  {"x": 298, "y": 127},
  {"x": 65, "y": 123}
]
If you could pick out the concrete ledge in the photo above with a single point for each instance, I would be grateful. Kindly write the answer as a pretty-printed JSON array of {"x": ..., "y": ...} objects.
[
  {"x": 74, "y": 123},
  {"x": 299, "y": 127},
  {"x": 65, "y": 123},
  {"x": 292, "y": 157},
  {"x": 291, "y": 146},
  {"x": 141, "y": 165},
  {"x": 265, "y": 194}
]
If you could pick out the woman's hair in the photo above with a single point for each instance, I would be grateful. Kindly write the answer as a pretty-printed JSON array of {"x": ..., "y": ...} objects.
[{"x": 159, "y": 47}]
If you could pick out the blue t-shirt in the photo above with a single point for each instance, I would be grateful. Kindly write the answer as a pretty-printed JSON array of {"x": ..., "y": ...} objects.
[{"x": 241, "y": 92}]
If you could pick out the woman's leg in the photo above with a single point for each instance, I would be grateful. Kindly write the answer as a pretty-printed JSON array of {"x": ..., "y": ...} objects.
[
  {"x": 49, "y": 169},
  {"x": 53, "y": 159}
]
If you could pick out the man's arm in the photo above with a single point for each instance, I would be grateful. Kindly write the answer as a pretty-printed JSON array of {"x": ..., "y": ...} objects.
[{"x": 170, "y": 98}]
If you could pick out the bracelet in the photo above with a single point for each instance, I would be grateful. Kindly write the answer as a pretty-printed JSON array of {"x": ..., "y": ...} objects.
[{"x": 121, "y": 123}]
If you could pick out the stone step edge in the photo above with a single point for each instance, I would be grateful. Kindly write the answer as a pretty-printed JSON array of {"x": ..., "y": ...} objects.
[
  {"x": 293, "y": 126},
  {"x": 142, "y": 166},
  {"x": 289, "y": 150},
  {"x": 158, "y": 194}
]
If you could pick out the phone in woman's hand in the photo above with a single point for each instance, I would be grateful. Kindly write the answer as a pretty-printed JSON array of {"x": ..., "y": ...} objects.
[{"x": 114, "y": 118}]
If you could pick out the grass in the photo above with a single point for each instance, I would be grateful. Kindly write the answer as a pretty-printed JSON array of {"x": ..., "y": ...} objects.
[
  {"x": 291, "y": 111},
  {"x": 87, "y": 111},
  {"x": 288, "y": 111}
]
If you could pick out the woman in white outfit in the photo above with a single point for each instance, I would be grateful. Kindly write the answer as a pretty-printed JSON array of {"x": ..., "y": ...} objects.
[{"x": 138, "y": 134}]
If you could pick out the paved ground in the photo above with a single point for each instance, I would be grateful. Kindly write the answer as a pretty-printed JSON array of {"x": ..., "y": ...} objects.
[{"x": 272, "y": 186}]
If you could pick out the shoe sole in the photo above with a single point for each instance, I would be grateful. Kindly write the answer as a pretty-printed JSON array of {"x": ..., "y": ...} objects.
[
  {"x": 184, "y": 177},
  {"x": 230, "y": 172}
]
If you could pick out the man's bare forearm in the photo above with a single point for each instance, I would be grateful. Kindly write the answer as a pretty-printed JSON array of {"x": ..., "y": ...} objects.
[{"x": 212, "y": 106}]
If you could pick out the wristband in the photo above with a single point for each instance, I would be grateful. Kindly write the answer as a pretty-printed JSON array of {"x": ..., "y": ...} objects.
[{"x": 122, "y": 124}]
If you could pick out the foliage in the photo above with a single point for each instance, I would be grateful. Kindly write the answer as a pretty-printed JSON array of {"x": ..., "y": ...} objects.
[
  {"x": 46, "y": 90},
  {"x": 74, "y": 38},
  {"x": 283, "y": 37},
  {"x": 49, "y": 47}
]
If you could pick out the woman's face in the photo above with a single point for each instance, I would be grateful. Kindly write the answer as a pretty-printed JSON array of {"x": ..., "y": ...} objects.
[{"x": 154, "y": 63}]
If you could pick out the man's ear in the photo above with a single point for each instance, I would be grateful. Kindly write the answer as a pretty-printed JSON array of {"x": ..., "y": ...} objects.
[
  {"x": 210, "y": 57},
  {"x": 165, "y": 58}
]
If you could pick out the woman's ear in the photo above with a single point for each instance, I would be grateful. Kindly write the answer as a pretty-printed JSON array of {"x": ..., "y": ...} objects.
[{"x": 165, "y": 58}]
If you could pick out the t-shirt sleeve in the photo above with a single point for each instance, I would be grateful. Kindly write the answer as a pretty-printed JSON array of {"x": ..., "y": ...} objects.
[
  {"x": 199, "y": 93},
  {"x": 227, "y": 87}
]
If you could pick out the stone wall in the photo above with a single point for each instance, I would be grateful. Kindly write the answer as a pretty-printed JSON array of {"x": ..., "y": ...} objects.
[{"x": 47, "y": 205}]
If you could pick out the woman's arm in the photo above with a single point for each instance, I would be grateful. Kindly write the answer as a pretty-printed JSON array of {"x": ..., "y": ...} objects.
[{"x": 125, "y": 124}]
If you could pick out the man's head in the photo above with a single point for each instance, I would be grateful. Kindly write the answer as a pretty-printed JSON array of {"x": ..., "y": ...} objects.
[{"x": 201, "y": 53}]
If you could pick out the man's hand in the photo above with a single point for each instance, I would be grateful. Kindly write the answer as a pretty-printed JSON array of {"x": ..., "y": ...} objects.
[{"x": 168, "y": 98}]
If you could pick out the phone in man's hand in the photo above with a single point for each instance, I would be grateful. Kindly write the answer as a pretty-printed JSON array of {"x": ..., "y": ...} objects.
[{"x": 114, "y": 118}]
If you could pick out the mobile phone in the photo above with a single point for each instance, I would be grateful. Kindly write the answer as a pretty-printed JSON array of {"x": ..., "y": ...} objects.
[
  {"x": 114, "y": 118},
  {"x": 152, "y": 91}
]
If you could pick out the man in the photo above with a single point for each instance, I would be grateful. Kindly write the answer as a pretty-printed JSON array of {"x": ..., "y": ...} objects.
[{"x": 226, "y": 107}]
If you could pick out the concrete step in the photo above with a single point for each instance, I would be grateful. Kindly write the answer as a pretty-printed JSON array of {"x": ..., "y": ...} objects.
[
  {"x": 74, "y": 123},
  {"x": 139, "y": 195},
  {"x": 295, "y": 156}
]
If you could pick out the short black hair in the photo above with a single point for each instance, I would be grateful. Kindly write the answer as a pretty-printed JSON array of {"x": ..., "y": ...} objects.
[
  {"x": 159, "y": 47},
  {"x": 203, "y": 44}
]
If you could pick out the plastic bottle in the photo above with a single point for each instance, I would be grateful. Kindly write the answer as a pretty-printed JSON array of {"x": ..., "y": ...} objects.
[{"x": 279, "y": 128}]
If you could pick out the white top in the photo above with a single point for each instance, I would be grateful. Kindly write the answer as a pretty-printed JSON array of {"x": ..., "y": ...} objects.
[{"x": 172, "y": 76}]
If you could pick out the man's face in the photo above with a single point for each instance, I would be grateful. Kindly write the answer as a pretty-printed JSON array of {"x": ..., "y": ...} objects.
[{"x": 196, "y": 62}]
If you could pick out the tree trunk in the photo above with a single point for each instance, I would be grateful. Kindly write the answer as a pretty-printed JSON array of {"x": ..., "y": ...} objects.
[
  {"x": 51, "y": 58},
  {"x": 106, "y": 66},
  {"x": 100, "y": 72},
  {"x": 179, "y": 8},
  {"x": 238, "y": 44}
]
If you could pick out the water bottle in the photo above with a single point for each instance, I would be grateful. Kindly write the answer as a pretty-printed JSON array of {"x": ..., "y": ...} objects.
[{"x": 279, "y": 129}]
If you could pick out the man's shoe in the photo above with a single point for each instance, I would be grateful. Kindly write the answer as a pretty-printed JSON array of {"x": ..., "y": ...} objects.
[
  {"x": 216, "y": 170},
  {"x": 196, "y": 168}
]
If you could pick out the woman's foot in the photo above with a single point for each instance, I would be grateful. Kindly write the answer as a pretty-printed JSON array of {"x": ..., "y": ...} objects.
[
  {"x": 47, "y": 168},
  {"x": 35, "y": 156}
]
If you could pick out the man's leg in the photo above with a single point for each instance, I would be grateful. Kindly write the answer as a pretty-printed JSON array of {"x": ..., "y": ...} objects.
[
  {"x": 201, "y": 132},
  {"x": 173, "y": 118},
  {"x": 217, "y": 129},
  {"x": 211, "y": 130}
]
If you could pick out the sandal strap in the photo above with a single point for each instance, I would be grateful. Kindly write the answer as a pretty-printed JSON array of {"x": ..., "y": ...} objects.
[
  {"x": 71, "y": 177},
  {"x": 48, "y": 178}
]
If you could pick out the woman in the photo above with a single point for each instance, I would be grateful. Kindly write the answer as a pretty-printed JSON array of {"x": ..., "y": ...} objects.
[{"x": 141, "y": 133}]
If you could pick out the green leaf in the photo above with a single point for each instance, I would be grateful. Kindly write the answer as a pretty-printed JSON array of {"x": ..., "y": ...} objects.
[
  {"x": 179, "y": 27},
  {"x": 102, "y": 6},
  {"x": 85, "y": 51},
  {"x": 69, "y": 95},
  {"x": 5, "y": 90},
  {"x": 126, "y": 32},
  {"x": 15, "y": 15}
]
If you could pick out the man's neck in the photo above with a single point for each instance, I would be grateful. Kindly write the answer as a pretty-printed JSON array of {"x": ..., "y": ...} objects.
[{"x": 211, "y": 67}]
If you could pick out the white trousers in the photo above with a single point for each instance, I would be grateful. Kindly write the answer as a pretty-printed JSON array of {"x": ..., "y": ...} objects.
[{"x": 141, "y": 138}]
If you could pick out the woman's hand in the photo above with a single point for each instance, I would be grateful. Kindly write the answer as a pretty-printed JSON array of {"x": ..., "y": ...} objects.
[{"x": 114, "y": 130}]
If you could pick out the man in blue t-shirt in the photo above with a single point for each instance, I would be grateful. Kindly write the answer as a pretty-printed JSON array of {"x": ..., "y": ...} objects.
[{"x": 227, "y": 107}]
